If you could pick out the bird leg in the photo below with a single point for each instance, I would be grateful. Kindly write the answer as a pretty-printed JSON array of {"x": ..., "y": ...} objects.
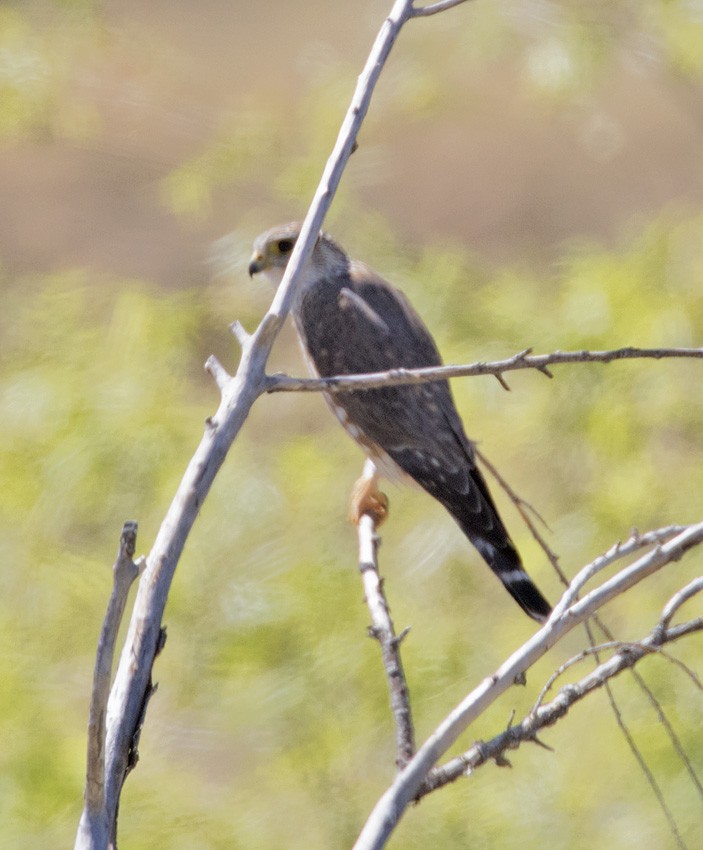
[{"x": 366, "y": 497}]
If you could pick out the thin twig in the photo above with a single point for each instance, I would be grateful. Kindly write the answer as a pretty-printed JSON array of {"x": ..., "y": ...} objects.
[
  {"x": 647, "y": 771},
  {"x": 522, "y": 360},
  {"x": 658, "y": 708},
  {"x": 678, "y": 599},
  {"x": 617, "y": 551},
  {"x": 382, "y": 629},
  {"x": 594, "y": 649}
]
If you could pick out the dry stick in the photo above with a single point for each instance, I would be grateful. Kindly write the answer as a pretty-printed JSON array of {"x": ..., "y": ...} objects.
[
  {"x": 132, "y": 682},
  {"x": 522, "y": 360},
  {"x": 94, "y": 828},
  {"x": 618, "y": 550},
  {"x": 636, "y": 541},
  {"x": 392, "y": 804},
  {"x": 382, "y": 629},
  {"x": 678, "y": 599},
  {"x": 545, "y": 715}
]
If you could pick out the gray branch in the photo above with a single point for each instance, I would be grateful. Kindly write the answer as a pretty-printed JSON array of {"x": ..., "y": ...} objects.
[
  {"x": 626, "y": 656},
  {"x": 94, "y": 828},
  {"x": 409, "y": 782},
  {"x": 132, "y": 687},
  {"x": 382, "y": 629},
  {"x": 522, "y": 360}
]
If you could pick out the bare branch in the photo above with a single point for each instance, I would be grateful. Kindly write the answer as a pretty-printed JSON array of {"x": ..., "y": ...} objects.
[
  {"x": 522, "y": 360},
  {"x": 93, "y": 830},
  {"x": 676, "y": 601},
  {"x": 618, "y": 550},
  {"x": 541, "y": 716},
  {"x": 390, "y": 807},
  {"x": 132, "y": 686},
  {"x": 382, "y": 629},
  {"x": 434, "y": 8}
]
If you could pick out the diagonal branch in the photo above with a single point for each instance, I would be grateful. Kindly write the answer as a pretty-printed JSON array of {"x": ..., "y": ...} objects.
[
  {"x": 407, "y": 785},
  {"x": 619, "y": 550},
  {"x": 132, "y": 686},
  {"x": 626, "y": 656},
  {"x": 521, "y": 360}
]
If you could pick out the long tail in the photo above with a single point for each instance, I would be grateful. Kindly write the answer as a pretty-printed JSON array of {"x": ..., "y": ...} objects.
[
  {"x": 505, "y": 563},
  {"x": 479, "y": 520}
]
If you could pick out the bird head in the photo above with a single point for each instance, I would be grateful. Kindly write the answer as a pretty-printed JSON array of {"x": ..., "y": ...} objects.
[
  {"x": 272, "y": 251},
  {"x": 273, "y": 248}
]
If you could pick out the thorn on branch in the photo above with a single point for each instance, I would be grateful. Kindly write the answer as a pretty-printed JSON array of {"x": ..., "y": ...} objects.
[
  {"x": 501, "y": 380},
  {"x": 401, "y": 637},
  {"x": 540, "y": 743}
]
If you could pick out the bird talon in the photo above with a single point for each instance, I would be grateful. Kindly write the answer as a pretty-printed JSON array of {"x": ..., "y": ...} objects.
[{"x": 366, "y": 498}]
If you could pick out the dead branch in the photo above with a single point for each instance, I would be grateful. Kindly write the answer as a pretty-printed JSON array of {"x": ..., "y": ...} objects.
[
  {"x": 382, "y": 629},
  {"x": 132, "y": 687},
  {"x": 94, "y": 828},
  {"x": 522, "y": 360},
  {"x": 624, "y": 658},
  {"x": 409, "y": 782}
]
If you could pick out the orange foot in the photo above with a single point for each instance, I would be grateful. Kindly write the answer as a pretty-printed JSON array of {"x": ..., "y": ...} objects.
[{"x": 366, "y": 498}]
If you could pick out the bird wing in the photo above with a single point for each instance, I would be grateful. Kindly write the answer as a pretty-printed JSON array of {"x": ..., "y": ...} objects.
[
  {"x": 366, "y": 325},
  {"x": 362, "y": 324}
]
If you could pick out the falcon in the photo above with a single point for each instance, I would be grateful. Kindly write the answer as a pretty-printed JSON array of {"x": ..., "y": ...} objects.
[{"x": 350, "y": 321}]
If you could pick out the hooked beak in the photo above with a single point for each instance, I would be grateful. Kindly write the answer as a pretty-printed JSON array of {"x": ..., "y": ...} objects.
[{"x": 256, "y": 265}]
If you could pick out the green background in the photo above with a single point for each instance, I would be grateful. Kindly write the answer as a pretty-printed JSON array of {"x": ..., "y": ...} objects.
[{"x": 531, "y": 175}]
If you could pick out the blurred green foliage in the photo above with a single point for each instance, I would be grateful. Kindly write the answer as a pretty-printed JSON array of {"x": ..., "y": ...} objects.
[{"x": 270, "y": 727}]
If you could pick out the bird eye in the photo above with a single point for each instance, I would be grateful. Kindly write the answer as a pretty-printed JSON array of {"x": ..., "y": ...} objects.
[{"x": 285, "y": 245}]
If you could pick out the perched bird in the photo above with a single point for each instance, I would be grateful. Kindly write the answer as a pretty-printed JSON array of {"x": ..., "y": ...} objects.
[{"x": 350, "y": 321}]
